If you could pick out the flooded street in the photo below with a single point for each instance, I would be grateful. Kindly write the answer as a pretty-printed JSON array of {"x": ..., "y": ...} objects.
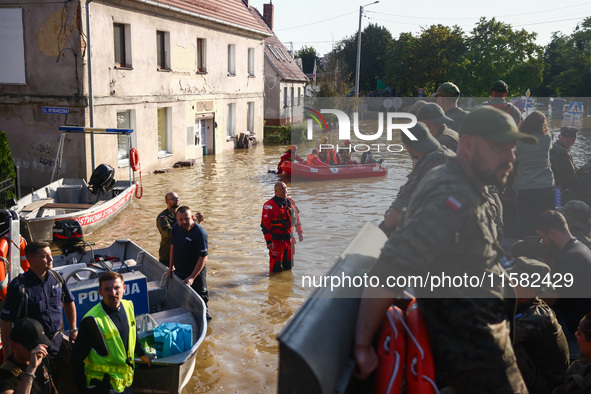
[{"x": 249, "y": 308}]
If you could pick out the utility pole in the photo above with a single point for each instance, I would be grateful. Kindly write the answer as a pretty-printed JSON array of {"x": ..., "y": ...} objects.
[{"x": 359, "y": 48}]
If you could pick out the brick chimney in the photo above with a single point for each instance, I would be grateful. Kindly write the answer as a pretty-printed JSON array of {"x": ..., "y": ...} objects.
[{"x": 268, "y": 14}]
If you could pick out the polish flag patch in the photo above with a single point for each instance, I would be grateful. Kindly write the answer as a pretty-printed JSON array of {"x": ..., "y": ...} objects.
[{"x": 453, "y": 203}]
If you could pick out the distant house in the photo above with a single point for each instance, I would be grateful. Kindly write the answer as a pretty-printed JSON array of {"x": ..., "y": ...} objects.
[
  {"x": 187, "y": 76},
  {"x": 284, "y": 80}
]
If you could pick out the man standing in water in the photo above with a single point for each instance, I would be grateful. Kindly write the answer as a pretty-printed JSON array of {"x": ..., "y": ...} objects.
[
  {"x": 280, "y": 216},
  {"x": 165, "y": 221},
  {"x": 449, "y": 228},
  {"x": 188, "y": 254}
]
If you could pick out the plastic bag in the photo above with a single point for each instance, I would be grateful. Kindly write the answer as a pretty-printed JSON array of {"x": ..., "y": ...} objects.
[
  {"x": 172, "y": 338},
  {"x": 147, "y": 324}
]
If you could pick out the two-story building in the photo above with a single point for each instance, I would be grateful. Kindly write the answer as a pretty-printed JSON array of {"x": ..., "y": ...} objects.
[
  {"x": 284, "y": 80},
  {"x": 187, "y": 76}
]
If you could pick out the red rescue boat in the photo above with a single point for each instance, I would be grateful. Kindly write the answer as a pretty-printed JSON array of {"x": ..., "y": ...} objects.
[{"x": 298, "y": 170}]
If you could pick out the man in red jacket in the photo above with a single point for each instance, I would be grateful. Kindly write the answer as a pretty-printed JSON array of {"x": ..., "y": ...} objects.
[
  {"x": 289, "y": 155},
  {"x": 280, "y": 216}
]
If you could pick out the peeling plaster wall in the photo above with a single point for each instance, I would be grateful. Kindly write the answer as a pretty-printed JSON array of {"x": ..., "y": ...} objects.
[{"x": 57, "y": 76}]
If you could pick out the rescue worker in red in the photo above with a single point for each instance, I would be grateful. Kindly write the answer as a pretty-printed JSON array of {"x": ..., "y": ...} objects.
[
  {"x": 313, "y": 160},
  {"x": 280, "y": 216},
  {"x": 289, "y": 155}
]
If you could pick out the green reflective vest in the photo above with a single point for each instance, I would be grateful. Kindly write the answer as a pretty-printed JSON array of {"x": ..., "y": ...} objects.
[{"x": 115, "y": 363}]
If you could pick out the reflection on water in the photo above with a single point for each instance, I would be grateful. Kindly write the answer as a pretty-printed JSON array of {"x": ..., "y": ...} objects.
[{"x": 240, "y": 352}]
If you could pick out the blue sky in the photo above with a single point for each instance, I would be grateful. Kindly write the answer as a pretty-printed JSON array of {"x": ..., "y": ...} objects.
[{"x": 320, "y": 23}]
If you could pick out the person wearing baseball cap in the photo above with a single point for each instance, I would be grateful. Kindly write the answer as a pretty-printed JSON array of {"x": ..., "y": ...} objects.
[
  {"x": 578, "y": 218},
  {"x": 434, "y": 118},
  {"x": 26, "y": 370},
  {"x": 540, "y": 345},
  {"x": 563, "y": 166},
  {"x": 450, "y": 226},
  {"x": 447, "y": 98},
  {"x": 498, "y": 92},
  {"x": 427, "y": 154}
]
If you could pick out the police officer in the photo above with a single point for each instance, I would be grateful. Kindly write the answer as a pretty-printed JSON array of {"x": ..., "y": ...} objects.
[
  {"x": 434, "y": 118},
  {"x": 42, "y": 294},
  {"x": 563, "y": 167},
  {"x": 165, "y": 220},
  {"x": 447, "y": 98},
  {"x": 449, "y": 226},
  {"x": 427, "y": 154}
]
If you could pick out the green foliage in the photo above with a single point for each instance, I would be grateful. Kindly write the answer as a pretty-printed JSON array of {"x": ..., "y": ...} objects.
[
  {"x": 308, "y": 56},
  {"x": 376, "y": 50},
  {"x": 334, "y": 83},
  {"x": 437, "y": 55},
  {"x": 284, "y": 134},
  {"x": 568, "y": 63},
  {"x": 496, "y": 51},
  {"x": 6, "y": 163}
]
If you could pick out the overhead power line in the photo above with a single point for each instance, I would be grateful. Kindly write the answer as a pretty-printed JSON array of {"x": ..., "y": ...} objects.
[{"x": 314, "y": 23}]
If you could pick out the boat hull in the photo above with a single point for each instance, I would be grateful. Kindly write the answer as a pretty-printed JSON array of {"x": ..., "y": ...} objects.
[
  {"x": 180, "y": 304},
  {"x": 316, "y": 345},
  {"x": 70, "y": 199},
  {"x": 303, "y": 171}
]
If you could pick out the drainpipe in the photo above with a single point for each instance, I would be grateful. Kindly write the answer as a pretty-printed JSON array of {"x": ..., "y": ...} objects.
[{"x": 90, "y": 93}]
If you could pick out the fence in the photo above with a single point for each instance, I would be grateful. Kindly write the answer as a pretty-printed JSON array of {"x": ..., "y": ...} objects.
[{"x": 9, "y": 188}]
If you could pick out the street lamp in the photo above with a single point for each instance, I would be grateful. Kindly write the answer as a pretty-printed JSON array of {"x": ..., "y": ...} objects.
[{"x": 359, "y": 49}]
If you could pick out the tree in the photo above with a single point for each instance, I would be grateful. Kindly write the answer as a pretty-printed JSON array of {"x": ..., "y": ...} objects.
[
  {"x": 376, "y": 45},
  {"x": 6, "y": 166},
  {"x": 496, "y": 51},
  {"x": 568, "y": 62},
  {"x": 333, "y": 82},
  {"x": 308, "y": 56},
  {"x": 437, "y": 55}
]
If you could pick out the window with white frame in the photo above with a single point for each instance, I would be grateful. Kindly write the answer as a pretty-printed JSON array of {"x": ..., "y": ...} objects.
[
  {"x": 285, "y": 97},
  {"x": 251, "y": 62},
  {"x": 250, "y": 117},
  {"x": 164, "y": 133},
  {"x": 231, "y": 121},
  {"x": 163, "y": 50},
  {"x": 231, "y": 59},
  {"x": 201, "y": 55},
  {"x": 125, "y": 120},
  {"x": 122, "y": 44}
]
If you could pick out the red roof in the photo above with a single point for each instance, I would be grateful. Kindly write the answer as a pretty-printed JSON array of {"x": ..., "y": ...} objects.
[
  {"x": 277, "y": 54},
  {"x": 232, "y": 12}
]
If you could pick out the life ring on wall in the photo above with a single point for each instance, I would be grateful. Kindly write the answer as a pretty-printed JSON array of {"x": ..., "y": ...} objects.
[
  {"x": 4, "y": 262},
  {"x": 134, "y": 159}
]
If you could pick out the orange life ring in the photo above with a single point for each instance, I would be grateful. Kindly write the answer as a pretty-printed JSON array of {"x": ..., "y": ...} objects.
[
  {"x": 134, "y": 159},
  {"x": 4, "y": 254},
  {"x": 420, "y": 372},
  {"x": 391, "y": 350}
]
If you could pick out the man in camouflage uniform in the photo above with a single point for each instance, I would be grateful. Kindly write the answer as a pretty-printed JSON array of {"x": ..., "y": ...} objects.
[
  {"x": 498, "y": 92},
  {"x": 434, "y": 118},
  {"x": 427, "y": 154},
  {"x": 450, "y": 226},
  {"x": 447, "y": 98},
  {"x": 540, "y": 346},
  {"x": 578, "y": 219},
  {"x": 563, "y": 167}
]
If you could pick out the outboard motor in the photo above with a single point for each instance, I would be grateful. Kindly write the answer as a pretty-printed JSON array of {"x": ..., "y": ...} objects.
[
  {"x": 101, "y": 179},
  {"x": 67, "y": 233}
]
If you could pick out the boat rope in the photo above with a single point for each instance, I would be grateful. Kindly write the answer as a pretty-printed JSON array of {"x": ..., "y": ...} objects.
[{"x": 145, "y": 381}]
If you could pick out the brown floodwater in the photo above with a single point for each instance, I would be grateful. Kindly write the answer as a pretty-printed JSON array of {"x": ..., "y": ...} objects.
[{"x": 240, "y": 351}]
